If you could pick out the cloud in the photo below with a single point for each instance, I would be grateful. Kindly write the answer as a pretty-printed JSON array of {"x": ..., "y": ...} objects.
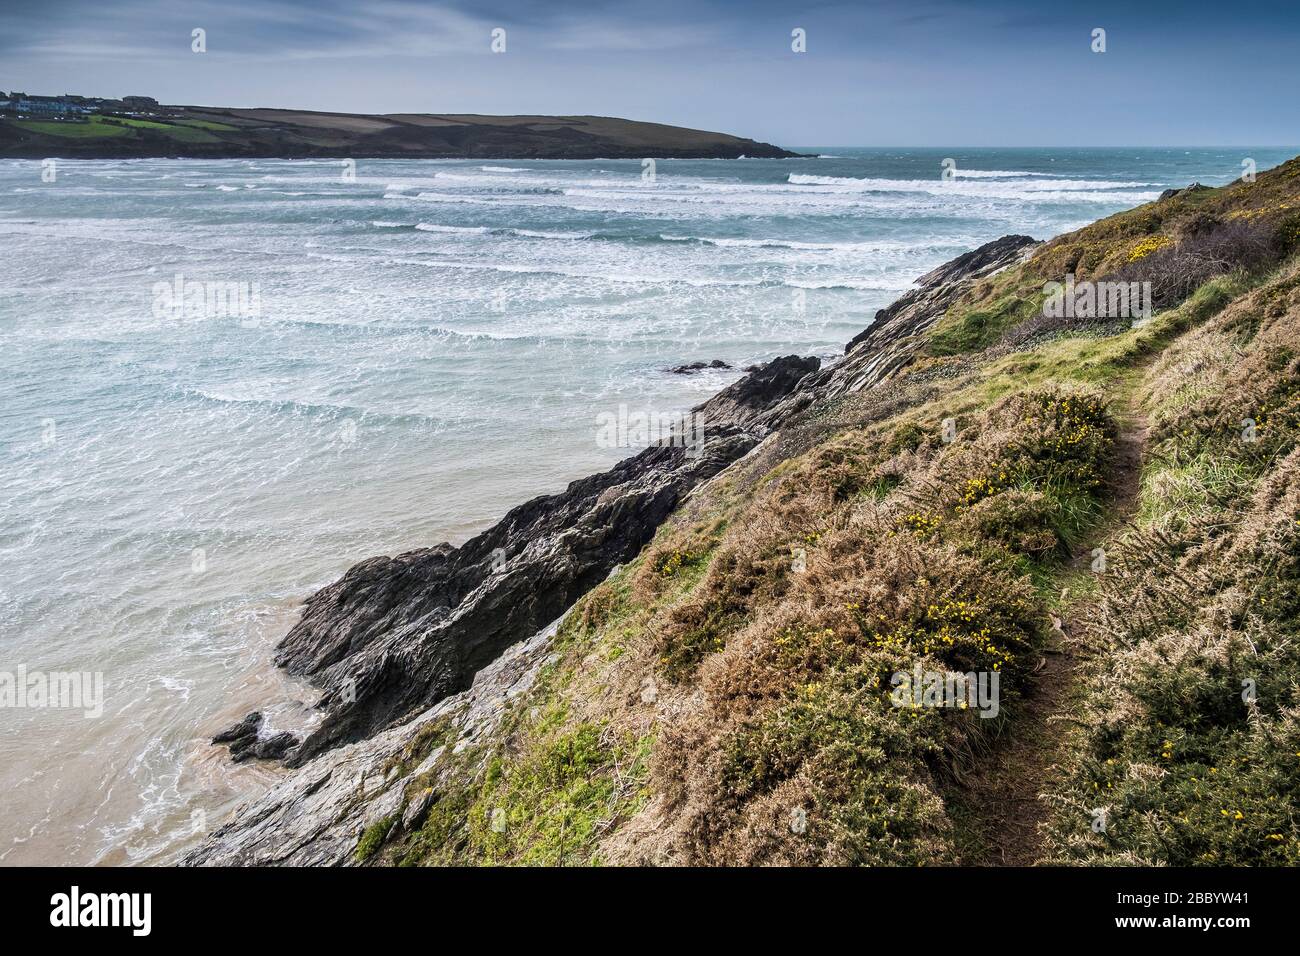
[{"x": 875, "y": 71}]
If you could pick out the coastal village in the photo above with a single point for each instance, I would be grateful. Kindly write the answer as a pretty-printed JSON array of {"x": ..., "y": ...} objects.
[{"x": 72, "y": 107}]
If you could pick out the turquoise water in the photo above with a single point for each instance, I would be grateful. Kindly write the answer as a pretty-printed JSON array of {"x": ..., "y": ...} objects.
[{"x": 433, "y": 343}]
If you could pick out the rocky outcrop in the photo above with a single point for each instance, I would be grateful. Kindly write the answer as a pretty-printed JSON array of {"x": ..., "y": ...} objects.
[
  {"x": 315, "y": 816},
  {"x": 692, "y": 367},
  {"x": 920, "y": 308},
  {"x": 1171, "y": 193},
  {"x": 407, "y": 635},
  {"x": 395, "y": 635},
  {"x": 240, "y": 731},
  {"x": 247, "y": 742},
  {"x": 891, "y": 341}
]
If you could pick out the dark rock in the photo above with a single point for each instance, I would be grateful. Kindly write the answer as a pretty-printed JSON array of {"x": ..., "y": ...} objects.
[
  {"x": 276, "y": 746},
  {"x": 698, "y": 367},
  {"x": 747, "y": 402},
  {"x": 245, "y": 743},
  {"x": 939, "y": 288},
  {"x": 247, "y": 727},
  {"x": 245, "y": 748},
  {"x": 401, "y": 633}
]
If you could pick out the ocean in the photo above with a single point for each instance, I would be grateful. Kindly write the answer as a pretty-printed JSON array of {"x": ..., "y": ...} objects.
[{"x": 224, "y": 382}]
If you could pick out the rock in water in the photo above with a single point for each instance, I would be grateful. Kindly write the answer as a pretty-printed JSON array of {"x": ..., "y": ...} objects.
[
  {"x": 276, "y": 746},
  {"x": 245, "y": 742},
  {"x": 693, "y": 367},
  {"x": 248, "y": 727}
]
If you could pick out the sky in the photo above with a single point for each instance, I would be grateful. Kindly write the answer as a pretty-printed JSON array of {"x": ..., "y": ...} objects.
[{"x": 874, "y": 72}]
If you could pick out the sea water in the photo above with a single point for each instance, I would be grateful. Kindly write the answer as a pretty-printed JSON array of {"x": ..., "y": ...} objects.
[{"x": 379, "y": 356}]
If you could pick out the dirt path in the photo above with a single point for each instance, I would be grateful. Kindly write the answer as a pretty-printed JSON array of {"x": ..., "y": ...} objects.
[{"x": 1000, "y": 806}]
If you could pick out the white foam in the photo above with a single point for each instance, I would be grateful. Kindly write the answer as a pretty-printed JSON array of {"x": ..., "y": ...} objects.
[{"x": 455, "y": 230}]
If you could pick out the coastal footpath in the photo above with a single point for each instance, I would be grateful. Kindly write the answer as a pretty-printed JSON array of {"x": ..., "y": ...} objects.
[{"x": 694, "y": 658}]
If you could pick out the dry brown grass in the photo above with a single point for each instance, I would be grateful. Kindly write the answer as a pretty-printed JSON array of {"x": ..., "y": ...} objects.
[
  {"x": 1191, "y": 720},
  {"x": 749, "y": 649},
  {"x": 782, "y": 668}
]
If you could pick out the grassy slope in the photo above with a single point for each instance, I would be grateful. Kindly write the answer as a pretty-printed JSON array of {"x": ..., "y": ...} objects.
[{"x": 724, "y": 698}]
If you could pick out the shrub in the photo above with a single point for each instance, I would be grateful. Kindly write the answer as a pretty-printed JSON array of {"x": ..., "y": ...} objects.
[
  {"x": 373, "y": 838},
  {"x": 1175, "y": 271}
]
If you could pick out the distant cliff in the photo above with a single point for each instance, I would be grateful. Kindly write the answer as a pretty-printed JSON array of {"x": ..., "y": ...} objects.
[{"x": 219, "y": 133}]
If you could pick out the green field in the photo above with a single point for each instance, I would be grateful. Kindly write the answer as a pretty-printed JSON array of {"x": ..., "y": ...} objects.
[
  {"x": 72, "y": 130},
  {"x": 116, "y": 126}
]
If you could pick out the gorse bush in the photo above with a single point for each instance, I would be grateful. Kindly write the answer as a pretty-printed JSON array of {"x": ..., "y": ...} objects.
[
  {"x": 726, "y": 697},
  {"x": 1028, "y": 477},
  {"x": 1189, "y": 747},
  {"x": 1213, "y": 248},
  {"x": 793, "y": 713}
]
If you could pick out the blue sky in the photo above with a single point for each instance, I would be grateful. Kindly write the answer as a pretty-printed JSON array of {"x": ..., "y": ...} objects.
[{"x": 893, "y": 72}]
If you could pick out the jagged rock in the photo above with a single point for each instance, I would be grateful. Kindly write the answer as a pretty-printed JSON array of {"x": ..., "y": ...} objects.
[
  {"x": 248, "y": 727},
  {"x": 1170, "y": 193},
  {"x": 418, "y": 808},
  {"x": 939, "y": 288},
  {"x": 246, "y": 743},
  {"x": 398, "y": 634},
  {"x": 276, "y": 746},
  {"x": 745, "y": 402},
  {"x": 693, "y": 367},
  {"x": 314, "y": 815},
  {"x": 892, "y": 339}
]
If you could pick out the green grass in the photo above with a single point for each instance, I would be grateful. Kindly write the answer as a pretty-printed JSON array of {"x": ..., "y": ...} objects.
[
  {"x": 1173, "y": 495},
  {"x": 209, "y": 125},
  {"x": 550, "y": 807},
  {"x": 186, "y": 134},
  {"x": 129, "y": 121},
  {"x": 182, "y": 133},
  {"x": 973, "y": 329},
  {"x": 71, "y": 130},
  {"x": 111, "y": 127},
  {"x": 373, "y": 838}
]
